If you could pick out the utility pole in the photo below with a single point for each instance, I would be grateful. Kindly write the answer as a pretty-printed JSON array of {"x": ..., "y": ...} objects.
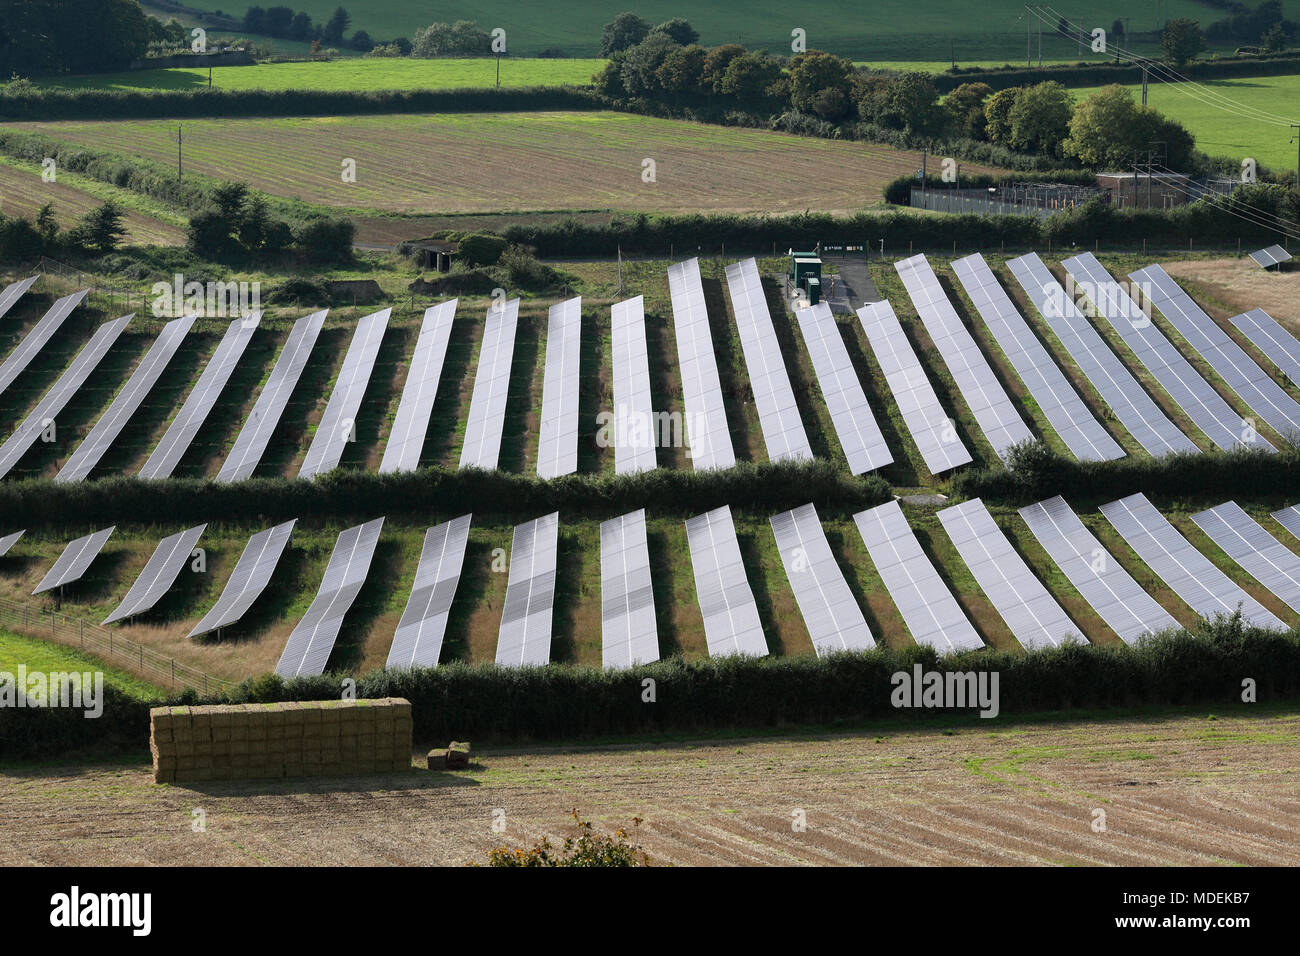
[
  {"x": 1144, "y": 82},
  {"x": 1029, "y": 49},
  {"x": 498, "y": 71},
  {"x": 178, "y": 152},
  {"x": 1296, "y": 139}
]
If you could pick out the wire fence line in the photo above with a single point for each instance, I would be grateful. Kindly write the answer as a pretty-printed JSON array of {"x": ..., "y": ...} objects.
[
  {"x": 77, "y": 632},
  {"x": 91, "y": 281}
]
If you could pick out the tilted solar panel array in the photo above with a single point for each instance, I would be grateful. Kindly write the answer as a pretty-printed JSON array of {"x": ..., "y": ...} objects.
[
  {"x": 1123, "y": 395},
  {"x": 1270, "y": 256},
  {"x": 37, "y": 337},
  {"x": 634, "y": 422},
  {"x": 1264, "y": 332},
  {"x": 928, "y": 607},
  {"x": 831, "y": 613},
  {"x": 994, "y": 411},
  {"x": 1086, "y": 437},
  {"x": 557, "y": 447},
  {"x": 706, "y": 415},
  {"x": 159, "y": 573},
  {"x": 8, "y": 541},
  {"x": 1032, "y": 614},
  {"x": 731, "y": 622},
  {"x": 406, "y": 440},
  {"x": 60, "y": 393},
  {"x": 1266, "y": 559},
  {"x": 1289, "y": 518},
  {"x": 417, "y": 642},
  {"x": 525, "y": 634},
  {"x": 778, "y": 413},
  {"x": 164, "y": 459},
  {"x": 934, "y": 432},
  {"x": 1192, "y": 393},
  {"x": 74, "y": 560},
  {"x": 250, "y": 443},
  {"x": 15, "y": 291},
  {"x": 1110, "y": 590},
  {"x": 487, "y": 405},
  {"x": 1252, "y": 384},
  {"x": 1190, "y": 574},
  {"x": 309, "y": 646},
  {"x": 338, "y": 423},
  {"x": 249, "y": 579},
  {"x": 629, "y": 628}
]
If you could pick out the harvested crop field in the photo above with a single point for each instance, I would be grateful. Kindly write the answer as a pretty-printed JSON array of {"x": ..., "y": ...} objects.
[
  {"x": 23, "y": 192},
  {"x": 1177, "y": 790},
  {"x": 1239, "y": 285}
]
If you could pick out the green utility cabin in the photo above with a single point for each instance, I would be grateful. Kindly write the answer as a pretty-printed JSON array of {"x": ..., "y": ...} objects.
[{"x": 806, "y": 274}]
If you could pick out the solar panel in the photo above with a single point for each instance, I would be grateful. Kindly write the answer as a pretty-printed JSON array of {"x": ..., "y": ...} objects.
[
  {"x": 60, "y": 393},
  {"x": 250, "y": 443},
  {"x": 159, "y": 573},
  {"x": 1123, "y": 395},
  {"x": 778, "y": 414},
  {"x": 37, "y": 336},
  {"x": 417, "y": 641},
  {"x": 8, "y": 541},
  {"x": 199, "y": 403},
  {"x": 525, "y": 634},
  {"x": 1264, "y": 332},
  {"x": 1252, "y": 384},
  {"x": 731, "y": 622},
  {"x": 487, "y": 406},
  {"x": 855, "y": 425},
  {"x": 74, "y": 561},
  {"x": 309, "y": 646},
  {"x": 557, "y": 447},
  {"x": 1110, "y": 590},
  {"x": 1032, "y": 614},
  {"x": 406, "y": 441},
  {"x": 1266, "y": 559},
  {"x": 1270, "y": 256},
  {"x": 988, "y": 401},
  {"x": 931, "y": 428},
  {"x": 928, "y": 607},
  {"x": 15, "y": 291},
  {"x": 629, "y": 630},
  {"x": 249, "y": 579},
  {"x": 338, "y": 424},
  {"x": 1289, "y": 518},
  {"x": 1192, "y": 393},
  {"x": 125, "y": 403},
  {"x": 706, "y": 415},
  {"x": 1063, "y": 407},
  {"x": 1190, "y": 574},
  {"x": 634, "y": 421},
  {"x": 834, "y": 620}
]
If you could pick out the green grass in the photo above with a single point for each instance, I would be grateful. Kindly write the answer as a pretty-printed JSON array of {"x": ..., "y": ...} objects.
[{"x": 37, "y": 655}]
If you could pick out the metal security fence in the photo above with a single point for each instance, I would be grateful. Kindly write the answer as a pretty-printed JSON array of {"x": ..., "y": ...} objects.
[
  {"x": 112, "y": 296},
  {"x": 1004, "y": 202}
]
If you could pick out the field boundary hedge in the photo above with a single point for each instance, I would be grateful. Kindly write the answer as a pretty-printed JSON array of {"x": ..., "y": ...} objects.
[{"x": 1075, "y": 75}]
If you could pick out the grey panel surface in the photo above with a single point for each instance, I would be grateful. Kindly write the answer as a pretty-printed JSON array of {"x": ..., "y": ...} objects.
[
  {"x": 629, "y": 628},
  {"x": 487, "y": 406},
  {"x": 60, "y": 393},
  {"x": 1111, "y": 591},
  {"x": 1266, "y": 559},
  {"x": 525, "y": 634},
  {"x": 338, "y": 423},
  {"x": 1270, "y": 256},
  {"x": 1189, "y": 390},
  {"x": 706, "y": 416},
  {"x": 831, "y": 613},
  {"x": 928, "y": 607},
  {"x": 1136, "y": 410},
  {"x": 1242, "y": 374},
  {"x": 8, "y": 541},
  {"x": 855, "y": 425},
  {"x": 159, "y": 574},
  {"x": 994, "y": 411},
  {"x": 74, "y": 560},
  {"x": 15, "y": 291},
  {"x": 731, "y": 621},
  {"x": 1063, "y": 407},
  {"x": 249, "y": 579},
  {"x": 1190, "y": 574},
  {"x": 1032, "y": 614},
  {"x": 406, "y": 440},
  {"x": 933, "y": 430},
  {"x": 198, "y": 404},
  {"x": 778, "y": 413},
  {"x": 557, "y": 446},
  {"x": 250, "y": 443},
  {"x": 38, "y": 336},
  {"x": 309, "y": 646},
  {"x": 635, "y": 437},
  {"x": 1289, "y": 518},
  {"x": 1266, "y": 334},
  {"x": 125, "y": 404},
  {"x": 417, "y": 642}
]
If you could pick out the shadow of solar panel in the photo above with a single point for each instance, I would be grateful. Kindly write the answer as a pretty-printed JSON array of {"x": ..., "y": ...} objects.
[
  {"x": 1280, "y": 346},
  {"x": 406, "y": 441},
  {"x": 159, "y": 574},
  {"x": 834, "y": 620},
  {"x": 74, "y": 561},
  {"x": 1266, "y": 559},
  {"x": 249, "y": 579},
  {"x": 634, "y": 422},
  {"x": 557, "y": 447},
  {"x": 629, "y": 629},
  {"x": 15, "y": 291},
  {"x": 706, "y": 416},
  {"x": 417, "y": 641},
  {"x": 38, "y": 336},
  {"x": 8, "y": 541},
  {"x": 731, "y": 622},
  {"x": 525, "y": 633},
  {"x": 487, "y": 405}
]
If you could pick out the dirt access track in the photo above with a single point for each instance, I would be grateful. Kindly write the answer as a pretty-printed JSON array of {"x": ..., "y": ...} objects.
[{"x": 1181, "y": 789}]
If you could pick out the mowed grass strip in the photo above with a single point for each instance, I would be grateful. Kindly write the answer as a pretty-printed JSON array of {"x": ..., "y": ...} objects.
[{"x": 47, "y": 658}]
